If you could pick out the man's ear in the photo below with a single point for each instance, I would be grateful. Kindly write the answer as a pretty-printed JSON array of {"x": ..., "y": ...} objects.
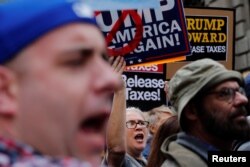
[
  {"x": 8, "y": 93},
  {"x": 190, "y": 112}
]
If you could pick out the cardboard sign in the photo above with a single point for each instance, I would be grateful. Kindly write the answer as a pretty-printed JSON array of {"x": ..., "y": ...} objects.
[
  {"x": 146, "y": 35},
  {"x": 211, "y": 33},
  {"x": 208, "y": 37},
  {"x": 145, "y": 86}
]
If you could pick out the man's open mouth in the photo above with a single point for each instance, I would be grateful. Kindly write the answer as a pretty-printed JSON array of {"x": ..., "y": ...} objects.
[{"x": 94, "y": 124}]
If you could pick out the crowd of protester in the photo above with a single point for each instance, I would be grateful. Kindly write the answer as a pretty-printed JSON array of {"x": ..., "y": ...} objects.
[{"x": 63, "y": 101}]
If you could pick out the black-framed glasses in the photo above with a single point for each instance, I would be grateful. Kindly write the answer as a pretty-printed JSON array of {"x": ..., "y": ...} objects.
[
  {"x": 228, "y": 94},
  {"x": 133, "y": 124}
]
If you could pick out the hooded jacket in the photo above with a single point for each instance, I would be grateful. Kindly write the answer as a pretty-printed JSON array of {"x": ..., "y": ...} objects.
[{"x": 183, "y": 150}]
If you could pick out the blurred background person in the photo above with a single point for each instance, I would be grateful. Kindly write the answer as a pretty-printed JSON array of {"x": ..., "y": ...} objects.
[
  {"x": 169, "y": 127},
  {"x": 155, "y": 117}
]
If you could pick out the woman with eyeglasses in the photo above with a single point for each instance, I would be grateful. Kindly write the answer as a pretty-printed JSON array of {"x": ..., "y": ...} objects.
[{"x": 127, "y": 130}]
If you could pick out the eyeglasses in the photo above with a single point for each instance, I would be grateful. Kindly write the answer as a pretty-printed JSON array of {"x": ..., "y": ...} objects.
[
  {"x": 228, "y": 94},
  {"x": 133, "y": 124}
]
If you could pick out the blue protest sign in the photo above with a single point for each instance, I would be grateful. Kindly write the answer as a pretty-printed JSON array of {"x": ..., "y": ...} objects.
[{"x": 146, "y": 35}]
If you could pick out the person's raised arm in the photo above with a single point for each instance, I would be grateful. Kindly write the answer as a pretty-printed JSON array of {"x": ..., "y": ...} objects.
[{"x": 116, "y": 125}]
